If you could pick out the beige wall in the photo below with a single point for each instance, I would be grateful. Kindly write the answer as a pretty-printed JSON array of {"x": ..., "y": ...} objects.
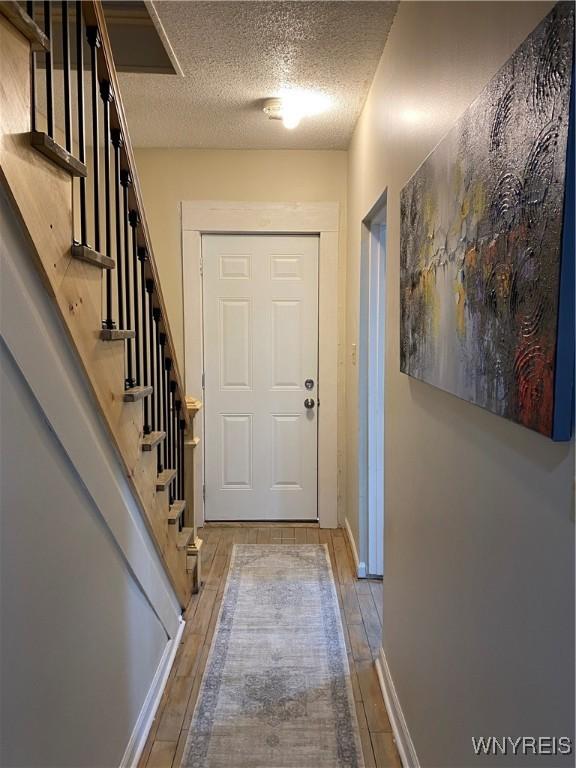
[
  {"x": 479, "y": 532},
  {"x": 169, "y": 176}
]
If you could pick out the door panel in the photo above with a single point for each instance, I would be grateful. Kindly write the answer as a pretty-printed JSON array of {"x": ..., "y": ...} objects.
[
  {"x": 286, "y": 345},
  {"x": 235, "y": 335},
  {"x": 235, "y": 267},
  {"x": 236, "y": 451},
  {"x": 286, "y": 464},
  {"x": 260, "y": 345}
]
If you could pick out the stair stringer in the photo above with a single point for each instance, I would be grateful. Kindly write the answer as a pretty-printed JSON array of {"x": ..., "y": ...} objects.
[{"x": 42, "y": 196}]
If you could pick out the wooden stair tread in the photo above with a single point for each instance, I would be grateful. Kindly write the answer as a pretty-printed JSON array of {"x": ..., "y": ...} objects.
[
  {"x": 134, "y": 394},
  {"x": 116, "y": 334},
  {"x": 25, "y": 24},
  {"x": 183, "y": 538},
  {"x": 85, "y": 253},
  {"x": 152, "y": 439},
  {"x": 164, "y": 479},
  {"x": 175, "y": 511},
  {"x": 57, "y": 154}
]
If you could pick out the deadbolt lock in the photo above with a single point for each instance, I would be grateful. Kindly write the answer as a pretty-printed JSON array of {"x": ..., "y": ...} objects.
[{"x": 309, "y": 383}]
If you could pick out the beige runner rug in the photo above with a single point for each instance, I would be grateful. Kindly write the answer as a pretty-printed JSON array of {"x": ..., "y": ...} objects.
[{"x": 276, "y": 691}]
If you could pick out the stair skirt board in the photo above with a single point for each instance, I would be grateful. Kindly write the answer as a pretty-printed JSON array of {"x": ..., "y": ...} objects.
[
  {"x": 35, "y": 340},
  {"x": 147, "y": 714},
  {"x": 32, "y": 334},
  {"x": 251, "y": 704}
]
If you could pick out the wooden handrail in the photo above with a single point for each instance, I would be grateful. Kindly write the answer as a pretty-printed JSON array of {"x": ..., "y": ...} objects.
[{"x": 94, "y": 15}]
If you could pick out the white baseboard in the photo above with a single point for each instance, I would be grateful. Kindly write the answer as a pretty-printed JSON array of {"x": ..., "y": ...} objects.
[
  {"x": 361, "y": 571},
  {"x": 404, "y": 742},
  {"x": 151, "y": 703}
]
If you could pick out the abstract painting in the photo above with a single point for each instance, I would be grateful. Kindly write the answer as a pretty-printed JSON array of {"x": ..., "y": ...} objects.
[{"x": 482, "y": 228}]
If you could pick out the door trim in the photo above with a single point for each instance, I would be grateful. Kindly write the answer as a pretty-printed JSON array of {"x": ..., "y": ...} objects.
[
  {"x": 203, "y": 217},
  {"x": 371, "y": 376}
]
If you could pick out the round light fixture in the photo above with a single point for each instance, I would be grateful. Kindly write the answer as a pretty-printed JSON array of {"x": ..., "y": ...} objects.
[
  {"x": 292, "y": 105},
  {"x": 273, "y": 109}
]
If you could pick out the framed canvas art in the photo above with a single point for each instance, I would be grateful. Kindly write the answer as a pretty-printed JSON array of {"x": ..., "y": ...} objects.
[{"x": 487, "y": 244}]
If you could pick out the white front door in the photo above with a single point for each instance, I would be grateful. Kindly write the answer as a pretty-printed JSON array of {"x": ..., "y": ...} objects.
[{"x": 261, "y": 372}]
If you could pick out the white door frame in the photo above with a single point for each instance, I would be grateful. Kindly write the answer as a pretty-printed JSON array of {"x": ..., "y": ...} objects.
[
  {"x": 372, "y": 358},
  {"x": 202, "y": 217}
]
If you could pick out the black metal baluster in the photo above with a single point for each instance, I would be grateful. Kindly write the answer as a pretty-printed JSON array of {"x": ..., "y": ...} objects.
[
  {"x": 175, "y": 444},
  {"x": 126, "y": 181},
  {"x": 107, "y": 97},
  {"x": 172, "y": 436},
  {"x": 30, "y": 12},
  {"x": 150, "y": 291},
  {"x": 158, "y": 389},
  {"x": 81, "y": 130},
  {"x": 159, "y": 372},
  {"x": 143, "y": 258},
  {"x": 134, "y": 219},
  {"x": 177, "y": 406},
  {"x": 66, "y": 74},
  {"x": 179, "y": 463},
  {"x": 49, "y": 70},
  {"x": 94, "y": 43},
  {"x": 167, "y": 424},
  {"x": 117, "y": 142},
  {"x": 182, "y": 426},
  {"x": 160, "y": 381}
]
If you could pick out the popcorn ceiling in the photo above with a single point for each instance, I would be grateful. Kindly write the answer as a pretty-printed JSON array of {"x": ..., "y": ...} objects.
[{"x": 236, "y": 54}]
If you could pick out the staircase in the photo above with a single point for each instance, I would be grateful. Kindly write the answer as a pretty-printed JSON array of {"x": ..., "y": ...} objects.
[{"x": 67, "y": 163}]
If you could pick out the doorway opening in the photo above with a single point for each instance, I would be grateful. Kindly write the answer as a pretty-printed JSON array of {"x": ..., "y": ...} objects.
[
  {"x": 372, "y": 372},
  {"x": 203, "y": 217}
]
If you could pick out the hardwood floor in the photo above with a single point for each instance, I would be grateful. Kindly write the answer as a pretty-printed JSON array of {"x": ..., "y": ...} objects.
[{"x": 361, "y": 610}]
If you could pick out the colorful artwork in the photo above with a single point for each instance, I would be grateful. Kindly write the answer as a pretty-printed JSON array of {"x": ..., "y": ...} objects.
[{"x": 481, "y": 241}]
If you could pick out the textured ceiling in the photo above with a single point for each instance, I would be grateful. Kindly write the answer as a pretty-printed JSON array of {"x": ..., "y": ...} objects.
[{"x": 235, "y": 54}]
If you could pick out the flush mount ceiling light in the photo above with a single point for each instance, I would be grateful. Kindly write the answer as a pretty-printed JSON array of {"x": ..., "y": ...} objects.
[{"x": 291, "y": 106}]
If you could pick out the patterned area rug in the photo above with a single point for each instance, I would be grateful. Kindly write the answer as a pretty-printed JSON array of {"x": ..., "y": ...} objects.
[{"x": 276, "y": 691}]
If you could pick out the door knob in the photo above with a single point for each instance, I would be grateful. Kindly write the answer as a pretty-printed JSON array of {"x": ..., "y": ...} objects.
[{"x": 309, "y": 403}]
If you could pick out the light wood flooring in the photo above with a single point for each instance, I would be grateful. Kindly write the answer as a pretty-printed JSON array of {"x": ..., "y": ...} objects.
[{"x": 361, "y": 610}]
